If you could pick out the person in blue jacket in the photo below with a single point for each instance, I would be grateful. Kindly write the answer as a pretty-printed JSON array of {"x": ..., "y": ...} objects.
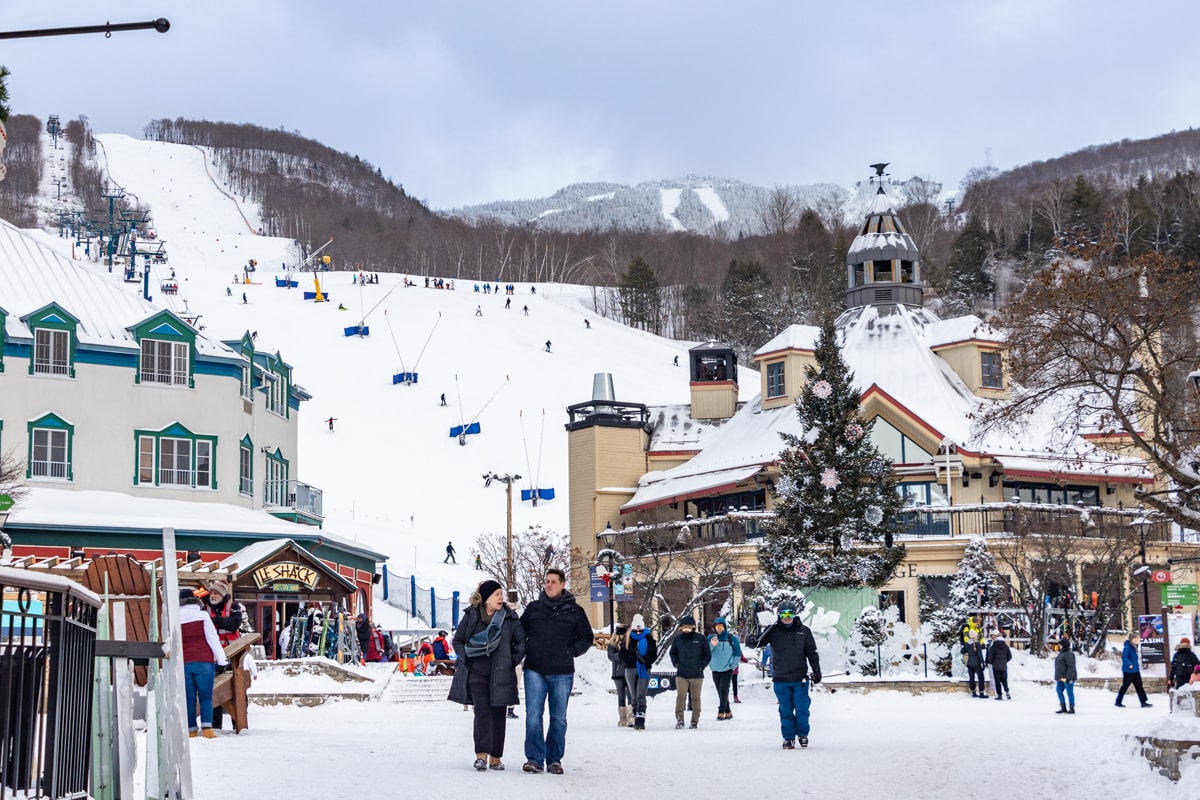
[
  {"x": 726, "y": 655},
  {"x": 1131, "y": 672}
]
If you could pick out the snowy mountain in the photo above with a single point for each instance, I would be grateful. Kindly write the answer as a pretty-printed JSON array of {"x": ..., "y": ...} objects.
[
  {"x": 393, "y": 478},
  {"x": 706, "y": 205}
]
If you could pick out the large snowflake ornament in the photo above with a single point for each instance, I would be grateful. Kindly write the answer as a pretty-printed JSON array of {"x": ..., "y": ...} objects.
[
  {"x": 873, "y": 515},
  {"x": 863, "y": 572},
  {"x": 830, "y": 479},
  {"x": 854, "y": 432},
  {"x": 786, "y": 486},
  {"x": 802, "y": 568},
  {"x": 822, "y": 389},
  {"x": 877, "y": 468}
]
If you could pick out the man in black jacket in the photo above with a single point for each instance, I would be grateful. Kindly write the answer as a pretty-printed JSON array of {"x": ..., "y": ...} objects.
[
  {"x": 557, "y": 632},
  {"x": 690, "y": 654},
  {"x": 793, "y": 652}
]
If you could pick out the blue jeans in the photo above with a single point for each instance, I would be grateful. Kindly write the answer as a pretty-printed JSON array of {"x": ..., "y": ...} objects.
[
  {"x": 547, "y": 749},
  {"x": 1069, "y": 688},
  {"x": 198, "y": 687},
  {"x": 793, "y": 708}
]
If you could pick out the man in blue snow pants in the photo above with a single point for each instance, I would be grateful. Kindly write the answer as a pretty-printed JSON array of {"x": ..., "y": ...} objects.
[{"x": 796, "y": 667}]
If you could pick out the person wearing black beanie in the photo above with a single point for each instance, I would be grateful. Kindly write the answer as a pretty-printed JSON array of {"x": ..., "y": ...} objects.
[{"x": 490, "y": 642}]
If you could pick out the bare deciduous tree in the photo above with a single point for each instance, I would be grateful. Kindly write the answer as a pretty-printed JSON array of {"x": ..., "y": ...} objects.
[{"x": 534, "y": 551}]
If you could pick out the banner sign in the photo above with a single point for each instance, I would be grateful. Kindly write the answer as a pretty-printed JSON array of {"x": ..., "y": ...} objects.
[
  {"x": 286, "y": 571},
  {"x": 597, "y": 588},
  {"x": 1150, "y": 628}
]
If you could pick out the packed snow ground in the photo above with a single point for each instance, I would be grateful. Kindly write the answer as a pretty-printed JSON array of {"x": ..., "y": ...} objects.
[{"x": 882, "y": 744}]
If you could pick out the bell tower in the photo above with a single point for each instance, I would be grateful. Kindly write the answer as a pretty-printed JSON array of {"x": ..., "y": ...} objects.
[{"x": 883, "y": 266}]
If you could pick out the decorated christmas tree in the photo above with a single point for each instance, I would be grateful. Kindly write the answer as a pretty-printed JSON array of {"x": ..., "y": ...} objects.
[{"x": 836, "y": 507}]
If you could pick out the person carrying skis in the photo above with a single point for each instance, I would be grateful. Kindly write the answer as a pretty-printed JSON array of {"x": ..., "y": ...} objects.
[{"x": 796, "y": 667}]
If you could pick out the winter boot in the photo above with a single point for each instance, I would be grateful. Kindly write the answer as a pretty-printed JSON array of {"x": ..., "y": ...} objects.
[
  {"x": 678, "y": 724},
  {"x": 1062, "y": 708},
  {"x": 623, "y": 722},
  {"x": 1072, "y": 711},
  {"x": 481, "y": 761},
  {"x": 639, "y": 722}
]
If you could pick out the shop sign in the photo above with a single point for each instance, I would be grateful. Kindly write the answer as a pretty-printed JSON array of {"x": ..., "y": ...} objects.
[
  {"x": 285, "y": 587},
  {"x": 289, "y": 571}
]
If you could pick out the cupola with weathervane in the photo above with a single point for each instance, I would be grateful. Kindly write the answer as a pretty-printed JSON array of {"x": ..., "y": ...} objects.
[{"x": 882, "y": 265}]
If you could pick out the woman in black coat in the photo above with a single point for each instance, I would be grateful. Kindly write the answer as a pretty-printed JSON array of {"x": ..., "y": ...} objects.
[{"x": 490, "y": 642}]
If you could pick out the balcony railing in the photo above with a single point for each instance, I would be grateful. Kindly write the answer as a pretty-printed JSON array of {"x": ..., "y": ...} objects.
[
  {"x": 919, "y": 522},
  {"x": 295, "y": 494},
  {"x": 998, "y": 518}
]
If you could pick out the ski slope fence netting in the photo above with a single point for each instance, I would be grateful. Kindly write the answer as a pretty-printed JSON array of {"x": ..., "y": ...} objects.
[{"x": 402, "y": 592}]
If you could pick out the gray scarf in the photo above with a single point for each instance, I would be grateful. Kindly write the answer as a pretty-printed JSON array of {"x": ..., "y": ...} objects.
[{"x": 487, "y": 640}]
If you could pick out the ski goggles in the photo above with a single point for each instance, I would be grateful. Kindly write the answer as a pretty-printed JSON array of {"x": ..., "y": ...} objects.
[{"x": 787, "y": 614}]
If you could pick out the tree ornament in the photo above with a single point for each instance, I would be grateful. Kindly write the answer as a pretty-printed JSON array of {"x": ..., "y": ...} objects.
[
  {"x": 822, "y": 389},
  {"x": 854, "y": 431},
  {"x": 873, "y": 515},
  {"x": 802, "y": 568},
  {"x": 786, "y": 486},
  {"x": 830, "y": 479}
]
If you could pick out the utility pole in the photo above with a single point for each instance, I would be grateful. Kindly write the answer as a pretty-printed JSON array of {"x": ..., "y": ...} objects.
[{"x": 508, "y": 481}]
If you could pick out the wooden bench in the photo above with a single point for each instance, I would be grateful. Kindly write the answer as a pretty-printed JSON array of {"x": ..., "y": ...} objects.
[{"x": 229, "y": 688}]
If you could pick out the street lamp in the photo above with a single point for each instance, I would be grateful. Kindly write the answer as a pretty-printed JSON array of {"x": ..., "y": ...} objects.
[
  {"x": 609, "y": 560},
  {"x": 1142, "y": 523},
  {"x": 508, "y": 481}
]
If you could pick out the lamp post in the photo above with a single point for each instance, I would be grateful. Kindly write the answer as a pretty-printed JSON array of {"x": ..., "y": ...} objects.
[
  {"x": 610, "y": 560},
  {"x": 1142, "y": 523},
  {"x": 508, "y": 481}
]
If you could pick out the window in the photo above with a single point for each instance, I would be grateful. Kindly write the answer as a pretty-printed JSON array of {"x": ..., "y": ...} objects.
[
  {"x": 54, "y": 341},
  {"x": 50, "y": 442},
  {"x": 895, "y": 445},
  {"x": 276, "y": 395},
  {"x": 168, "y": 350},
  {"x": 175, "y": 457},
  {"x": 247, "y": 387},
  {"x": 993, "y": 375},
  {"x": 275, "y": 485},
  {"x": 165, "y": 362},
  {"x": 246, "y": 467},
  {"x": 51, "y": 352},
  {"x": 775, "y": 382}
]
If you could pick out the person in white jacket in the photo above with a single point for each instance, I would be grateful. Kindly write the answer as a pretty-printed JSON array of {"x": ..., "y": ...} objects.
[{"x": 202, "y": 655}]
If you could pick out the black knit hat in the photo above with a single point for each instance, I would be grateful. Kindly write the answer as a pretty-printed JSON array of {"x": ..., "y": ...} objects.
[
  {"x": 487, "y": 589},
  {"x": 188, "y": 596}
]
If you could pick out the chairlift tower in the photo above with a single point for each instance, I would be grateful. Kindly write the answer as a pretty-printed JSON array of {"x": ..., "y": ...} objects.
[
  {"x": 112, "y": 197},
  {"x": 54, "y": 129}
]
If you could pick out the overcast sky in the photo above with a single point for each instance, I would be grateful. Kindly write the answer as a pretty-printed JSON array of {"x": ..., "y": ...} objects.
[{"x": 470, "y": 101}]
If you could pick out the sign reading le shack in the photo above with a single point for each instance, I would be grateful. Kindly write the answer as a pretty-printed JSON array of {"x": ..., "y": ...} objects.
[{"x": 286, "y": 571}]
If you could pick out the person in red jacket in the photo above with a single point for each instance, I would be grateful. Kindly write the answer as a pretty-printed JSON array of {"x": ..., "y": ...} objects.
[
  {"x": 202, "y": 655},
  {"x": 229, "y": 618},
  {"x": 376, "y": 647}
]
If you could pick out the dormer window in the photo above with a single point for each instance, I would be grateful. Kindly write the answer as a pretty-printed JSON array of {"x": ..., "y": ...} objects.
[
  {"x": 168, "y": 350},
  {"x": 175, "y": 457},
  {"x": 776, "y": 385},
  {"x": 993, "y": 370},
  {"x": 50, "y": 443},
  {"x": 54, "y": 332}
]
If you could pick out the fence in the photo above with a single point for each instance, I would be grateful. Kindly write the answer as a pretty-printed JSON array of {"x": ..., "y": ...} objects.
[
  {"x": 402, "y": 592},
  {"x": 47, "y": 660}
]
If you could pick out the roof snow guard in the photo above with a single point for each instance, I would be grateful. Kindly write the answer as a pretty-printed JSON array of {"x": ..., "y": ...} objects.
[{"x": 678, "y": 490}]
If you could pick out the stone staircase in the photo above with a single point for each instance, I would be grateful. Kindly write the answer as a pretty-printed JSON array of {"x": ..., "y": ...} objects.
[{"x": 402, "y": 688}]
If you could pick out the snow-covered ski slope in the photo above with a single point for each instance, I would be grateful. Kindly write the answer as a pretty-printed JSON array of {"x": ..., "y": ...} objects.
[{"x": 393, "y": 478}]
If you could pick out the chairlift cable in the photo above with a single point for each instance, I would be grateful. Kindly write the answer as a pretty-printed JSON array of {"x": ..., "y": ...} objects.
[
  {"x": 525, "y": 444},
  {"x": 427, "y": 340},
  {"x": 394, "y": 344}
]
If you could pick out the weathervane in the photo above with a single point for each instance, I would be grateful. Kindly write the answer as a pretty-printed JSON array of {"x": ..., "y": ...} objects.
[{"x": 879, "y": 174}]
